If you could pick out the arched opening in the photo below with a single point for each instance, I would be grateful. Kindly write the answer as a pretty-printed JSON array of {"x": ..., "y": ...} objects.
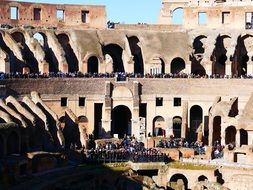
[
  {"x": 178, "y": 16},
  {"x": 27, "y": 54},
  {"x": 196, "y": 122},
  {"x": 49, "y": 54},
  {"x": 121, "y": 121},
  {"x": 243, "y": 137},
  {"x": 241, "y": 58},
  {"x": 115, "y": 51},
  {"x": 197, "y": 56},
  {"x": 159, "y": 128},
  {"x": 179, "y": 180},
  {"x": 1, "y": 146},
  {"x": 202, "y": 178},
  {"x": 40, "y": 38},
  {"x": 217, "y": 129},
  {"x": 177, "y": 65},
  {"x": 13, "y": 143},
  {"x": 93, "y": 65},
  {"x": 69, "y": 53},
  {"x": 230, "y": 133},
  {"x": 198, "y": 45},
  {"x": 177, "y": 126},
  {"x": 135, "y": 47},
  {"x": 219, "y": 57}
]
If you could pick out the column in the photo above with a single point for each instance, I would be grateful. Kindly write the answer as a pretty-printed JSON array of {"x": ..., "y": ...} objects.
[
  {"x": 250, "y": 65},
  {"x": 184, "y": 119},
  {"x": 106, "y": 117},
  {"x": 210, "y": 125},
  {"x": 135, "y": 111},
  {"x": 228, "y": 69}
]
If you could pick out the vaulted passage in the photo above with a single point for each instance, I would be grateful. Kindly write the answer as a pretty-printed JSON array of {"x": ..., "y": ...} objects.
[
  {"x": 219, "y": 57},
  {"x": 115, "y": 51},
  {"x": 121, "y": 121},
  {"x": 15, "y": 64},
  {"x": 137, "y": 54},
  {"x": 197, "y": 56},
  {"x": 93, "y": 65},
  {"x": 28, "y": 56},
  {"x": 230, "y": 135},
  {"x": 196, "y": 122},
  {"x": 177, "y": 65},
  {"x": 49, "y": 54},
  {"x": 69, "y": 53},
  {"x": 241, "y": 58}
]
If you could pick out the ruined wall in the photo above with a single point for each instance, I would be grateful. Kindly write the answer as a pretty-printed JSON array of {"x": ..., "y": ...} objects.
[{"x": 47, "y": 15}]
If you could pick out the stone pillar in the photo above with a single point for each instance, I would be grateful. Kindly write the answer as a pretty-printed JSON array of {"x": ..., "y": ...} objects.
[
  {"x": 250, "y": 65},
  {"x": 4, "y": 62},
  {"x": 208, "y": 68},
  {"x": 223, "y": 134},
  {"x": 228, "y": 69},
  {"x": 184, "y": 126},
  {"x": 210, "y": 125},
  {"x": 169, "y": 128},
  {"x": 106, "y": 120},
  {"x": 188, "y": 68},
  {"x": 135, "y": 112},
  {"x": 237, "y": 138}
]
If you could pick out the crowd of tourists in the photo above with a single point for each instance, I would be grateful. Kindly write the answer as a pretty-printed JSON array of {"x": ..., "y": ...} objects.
[
  {"x": 120, "y": 76},
  {"x": 129, "y": 149}
]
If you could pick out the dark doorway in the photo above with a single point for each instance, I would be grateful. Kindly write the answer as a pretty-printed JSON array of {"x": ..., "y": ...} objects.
[
  {"x": 13, "y": 143},
  {"x": 177, "y": 65},
  {"x": 230, "y": 133},
  {"x": 121, "y": 121},
  {"x": 134, "y": 44},
  {"x": 92, "y": 65},
  {"x": 98, "y": 108},
  {"x": 202, "y": 178},
  {"x": 1, "y": 146},
  {"x": 115, "y": 51},
  {"x": 69, "y": 53},
  {"x": 159, "y": 126},
  {"x": 177, "y": 126},
  {"x": 196, "y": 122},
  {"x": 216, "y": 129},
  {"x": 243, "y": 137}
]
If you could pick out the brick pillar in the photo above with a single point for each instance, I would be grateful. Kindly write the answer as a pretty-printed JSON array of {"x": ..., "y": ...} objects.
[
  {"x": 136, "y": 110},
  {"x": 210, "y": 125},
  {"x": 106, "y": 118},
  {"x": 184, "y": 126}
]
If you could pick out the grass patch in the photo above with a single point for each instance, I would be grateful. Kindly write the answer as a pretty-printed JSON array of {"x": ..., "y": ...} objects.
[{"x": 190, "y": 166}]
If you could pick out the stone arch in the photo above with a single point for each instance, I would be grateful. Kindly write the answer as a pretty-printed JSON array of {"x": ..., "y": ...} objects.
[
  {"x": 93, "y": 65},
  {"x": 178, "y": 16},
  {"x": 159, "y": 127},
  {"x": 219, "y": 56},
  {"x": 197, "y": 56},
  {"x": 216, "y": 129},
  {"x": 230, "y": 133},
  {"x": 202, "y": 178},
  {"x": 70, "y": 55},
  {"x": 157, "y": 64},
  {"x": 50, "y": 57},
  {"x": 2, "y": 148},
  {"x": 176, "y": 177},
  {"x": 177, "y": 126},
  {"x": 243, "y": 137},
  {"x": 136, "y": 51},
  {"x": 121, "y": 121},
  {"x": 177, "y": 65},
  {"x": 196, "y": 122},
  {"x": 13, "y": 143},
  {"x": 115, "y": 51},
  {"x": 27, "y": 54}
]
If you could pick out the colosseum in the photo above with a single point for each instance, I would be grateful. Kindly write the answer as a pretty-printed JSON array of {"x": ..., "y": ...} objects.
[{"x": 179, "y": 86}]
